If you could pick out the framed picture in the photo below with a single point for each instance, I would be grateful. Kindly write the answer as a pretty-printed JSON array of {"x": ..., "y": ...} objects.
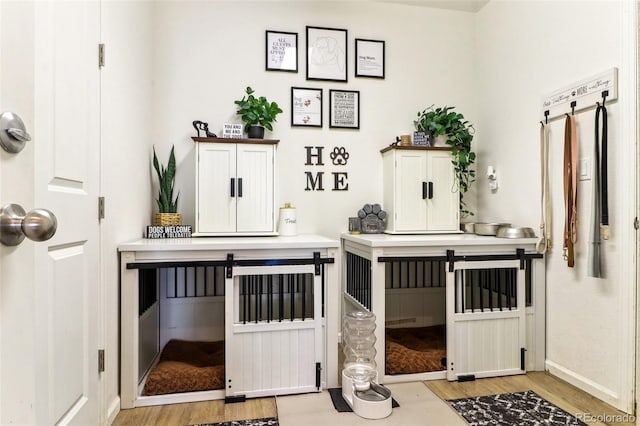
[
  {"x": 326, "y": 54},
  {"x": 369, "y": 58},
  {"x": 344, "y": 109},
  {"x": 306, "y": 107},
  {"x": 281, "y": 52}
]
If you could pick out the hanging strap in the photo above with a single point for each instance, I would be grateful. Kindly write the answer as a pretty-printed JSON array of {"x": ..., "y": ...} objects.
[
  {"x": 593, "y": 268},
  {"x": 604, "y": 196},
  {"x": 544, "y": 243},
  {"x": 570, "y": 189}
]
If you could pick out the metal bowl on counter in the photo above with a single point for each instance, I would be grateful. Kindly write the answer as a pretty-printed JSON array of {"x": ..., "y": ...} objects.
[
  {"x": 488, "y": 228},
  {"x": 510, "y": 232},
  {"x": 467, "y": 227}
]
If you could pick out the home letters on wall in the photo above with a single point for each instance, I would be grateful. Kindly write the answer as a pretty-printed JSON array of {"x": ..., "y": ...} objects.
[{"x": 339, "y": 158}]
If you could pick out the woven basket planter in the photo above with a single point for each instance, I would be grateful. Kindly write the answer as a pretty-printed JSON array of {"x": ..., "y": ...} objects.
[{"x": 168, "y": 219}]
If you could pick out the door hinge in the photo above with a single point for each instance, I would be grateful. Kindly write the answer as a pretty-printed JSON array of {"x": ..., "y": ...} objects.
[
  {"x": 100, "y": 208},
  {"x": 101, "y": 55},
  {"x": 636, "y": 223},
  {"x": 100, "y": 360}
]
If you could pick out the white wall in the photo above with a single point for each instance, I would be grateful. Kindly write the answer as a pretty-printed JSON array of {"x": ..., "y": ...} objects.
[
  {"x": 526, "y": 50},
  {"x": 126, "y": 145},
  {"x": 206, "y": 53}
]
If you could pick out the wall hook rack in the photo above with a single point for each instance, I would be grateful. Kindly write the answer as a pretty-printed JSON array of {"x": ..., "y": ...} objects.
[{"x": 582, "y": 95}]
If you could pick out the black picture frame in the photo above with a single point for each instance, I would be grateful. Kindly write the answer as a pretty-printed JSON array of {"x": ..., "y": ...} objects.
[
  {"x": 306, "y": 107},
  {"x": 281, "y": 51},
  {"x": 344, "y": 109},
  {"x": 370, "y": 58},
  {"x": 326, "y": 54}
]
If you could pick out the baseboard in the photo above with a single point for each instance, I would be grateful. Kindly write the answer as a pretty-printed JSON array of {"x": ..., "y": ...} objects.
[
  {"x": 114, "y": 409},
  {"x": 589, "y": 386}
]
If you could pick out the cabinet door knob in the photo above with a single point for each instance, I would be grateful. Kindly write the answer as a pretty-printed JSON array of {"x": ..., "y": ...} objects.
[
  {"x": 430, "y": 191},
  {"x": 233, "y": 187},
  {"x": 239, "y": 187}
]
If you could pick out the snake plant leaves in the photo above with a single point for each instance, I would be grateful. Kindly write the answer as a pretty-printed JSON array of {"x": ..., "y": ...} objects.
[{"x": 166, "y": 179}]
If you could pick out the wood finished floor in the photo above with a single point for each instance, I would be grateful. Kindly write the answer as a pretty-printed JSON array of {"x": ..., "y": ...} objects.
[{"x": 556, "y": 391}]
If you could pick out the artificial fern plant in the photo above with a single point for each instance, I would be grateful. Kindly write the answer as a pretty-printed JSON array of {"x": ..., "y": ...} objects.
[
  {"x": 459, "y": 132},
  {"x": 166, "y": 179}
]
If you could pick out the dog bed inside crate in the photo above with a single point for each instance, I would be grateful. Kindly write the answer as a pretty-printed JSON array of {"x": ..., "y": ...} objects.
[
  {"x": 187, "y": 366},
  {"x": 415, "y": 350}
]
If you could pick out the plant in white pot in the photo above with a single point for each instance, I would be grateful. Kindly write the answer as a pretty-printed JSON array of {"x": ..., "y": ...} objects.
[
  {"x": 257, "y": 113},
  {"x": 167, "y": 205},
  {"x": 458, "y": 133}
]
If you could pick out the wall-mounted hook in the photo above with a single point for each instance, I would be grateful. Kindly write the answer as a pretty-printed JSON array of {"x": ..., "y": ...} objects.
[
  {"x": 546, "y": 117},
  {"x": 573, "y": 108}
]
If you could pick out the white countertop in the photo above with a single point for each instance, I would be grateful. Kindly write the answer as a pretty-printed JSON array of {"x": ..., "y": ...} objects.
[
  {"x": 435, "y": 240},
  {"x": 230, "y": 243}
]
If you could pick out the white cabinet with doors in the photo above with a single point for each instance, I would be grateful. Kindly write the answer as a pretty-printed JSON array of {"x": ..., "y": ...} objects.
[
  {"x": 235, "y": 186},
  {"x": 420, "y": 191}
]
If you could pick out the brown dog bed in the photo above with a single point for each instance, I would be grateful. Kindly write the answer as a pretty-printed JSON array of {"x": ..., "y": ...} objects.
[
  {"x": 415, "y": 350},
  {"x": 186, "y": 366}
]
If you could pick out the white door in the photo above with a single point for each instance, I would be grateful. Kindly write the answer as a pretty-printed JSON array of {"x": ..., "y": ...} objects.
[
  {"x": 216, "y": 188},
  {"x": 411, "y": 192},
  {"x": 49, "y": 294},
  {"x": 273, "y": 331},
  {"x": 255, "y": 188},
  {"x": 485, "y": 319},
  {"x": 443, "y": 195}
]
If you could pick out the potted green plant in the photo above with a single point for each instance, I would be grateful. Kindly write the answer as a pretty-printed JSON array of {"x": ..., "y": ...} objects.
[
  {"x": 445, "y": 122},
  {"x": 167, "y": 205},
  {"x": 257, "y": 113}
]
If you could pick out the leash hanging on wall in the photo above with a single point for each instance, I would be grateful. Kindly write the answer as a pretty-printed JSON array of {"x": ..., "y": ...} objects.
[
  {"x": 544, "y": 243},
  {"x": 570, "y": 171},
  {"x": 600, "y": 207}
]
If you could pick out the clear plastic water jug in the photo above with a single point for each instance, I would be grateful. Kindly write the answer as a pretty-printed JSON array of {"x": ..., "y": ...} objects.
[{"x": 359, "y": 348}]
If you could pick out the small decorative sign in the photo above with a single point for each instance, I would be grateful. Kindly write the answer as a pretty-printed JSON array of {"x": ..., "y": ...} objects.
[
  {"x": 179, "y": 231},
  {"x": 372, "y": 219},
  {"x": 232, "y": 131},
  {"x": 421, "y": 139}
]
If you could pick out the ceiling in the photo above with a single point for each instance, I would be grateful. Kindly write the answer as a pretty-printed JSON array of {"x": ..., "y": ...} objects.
[{"x": 465, "y": 5}]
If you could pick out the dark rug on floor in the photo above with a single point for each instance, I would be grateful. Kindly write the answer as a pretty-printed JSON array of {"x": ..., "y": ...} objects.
[
  {"x": 342, "y": 406},
  {"x": 511, "y": 409},
  {"x": 269, "y": 421}
]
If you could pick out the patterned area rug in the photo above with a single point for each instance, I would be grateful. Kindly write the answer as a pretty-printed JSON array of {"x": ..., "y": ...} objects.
[
  {"x": 511, "y": 409},
  {"x": 269, "y": 421}
]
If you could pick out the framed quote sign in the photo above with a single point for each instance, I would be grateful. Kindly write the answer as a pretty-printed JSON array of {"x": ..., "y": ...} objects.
[{"x": 281, "y": 51}]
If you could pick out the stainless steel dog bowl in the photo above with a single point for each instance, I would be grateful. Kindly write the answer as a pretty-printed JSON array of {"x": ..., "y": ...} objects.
[
  {"x": 488, "y": 228},
  {"x": 467, "y": 227},
  {"x": 509, "y": 232}
]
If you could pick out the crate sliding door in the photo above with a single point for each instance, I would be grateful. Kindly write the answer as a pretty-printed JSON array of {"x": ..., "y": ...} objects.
[
  {"x": 273, "y": 337},
  {"x": 485, "y": 319}
]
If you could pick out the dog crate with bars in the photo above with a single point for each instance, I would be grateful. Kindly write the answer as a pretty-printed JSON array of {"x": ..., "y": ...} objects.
[
  {"x": 262, "y": 301},
  {"x": 448, "y": 306}
]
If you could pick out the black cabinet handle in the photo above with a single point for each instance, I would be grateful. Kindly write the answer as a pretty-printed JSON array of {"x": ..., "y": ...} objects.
[
  {"x": 233, "y": 187},
  {"x": 425, "y": 190},
  {"x": 430, "y": 190},
  {"x": 239, "y": 187}
]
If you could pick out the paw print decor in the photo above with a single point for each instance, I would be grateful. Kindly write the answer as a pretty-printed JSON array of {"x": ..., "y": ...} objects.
[
  {"x": 339, "y": 156},
  {"x": 372, "y": 219}
]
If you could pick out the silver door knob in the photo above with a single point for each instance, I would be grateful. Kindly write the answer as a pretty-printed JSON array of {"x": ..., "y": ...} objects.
[{"x": 15, "y": 224}]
